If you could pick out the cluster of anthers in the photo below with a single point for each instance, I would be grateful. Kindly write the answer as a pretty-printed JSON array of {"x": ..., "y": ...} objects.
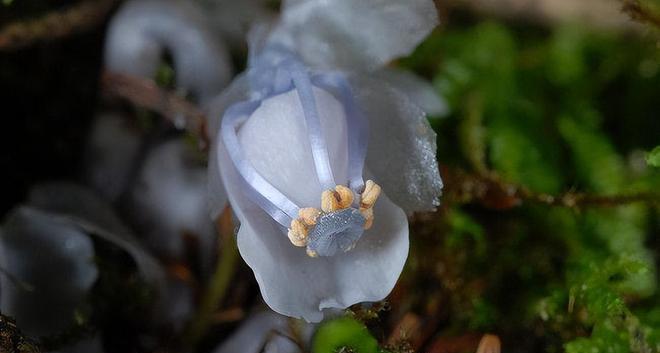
[{"x": 331, "y": 201}]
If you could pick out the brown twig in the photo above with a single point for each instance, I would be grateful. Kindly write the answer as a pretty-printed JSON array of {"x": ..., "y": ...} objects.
[
  {"x": 492, "y": 192},
  {"x": 465, "y": 343},
  {"x": 409, "y": 328},
  {"x": 220, "y": 280},
  {"x": 489, "y": 344},
  {"x": 55, "y": 24},
  {"x": 640, "y": 13},
  {"x": 145, "y": 93},
  {"x": 591, "y": 13}
]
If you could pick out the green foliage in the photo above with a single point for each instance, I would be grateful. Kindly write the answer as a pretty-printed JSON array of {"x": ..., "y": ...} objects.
[
  {"x": 565, "y": 111},
  {"x": 344, "y": 335},
  {"x": 165, "y": 75},
  {"x": 464, "y": 228},
  {"x": 481, "y": 83},
  {"x": 604, "y": 339},
  {"x": 596, "y": 163},
  {"x": 566, "y": 49},
  {"x": 555, "y": 112},
  {"x": 653, "y": 157}
]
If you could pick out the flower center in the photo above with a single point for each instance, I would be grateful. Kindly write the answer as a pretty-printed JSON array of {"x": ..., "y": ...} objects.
[
  {"x": 340, "y": 221},
  {"x": 338, "y": 225},
  {"x": 334, "y": 232}
]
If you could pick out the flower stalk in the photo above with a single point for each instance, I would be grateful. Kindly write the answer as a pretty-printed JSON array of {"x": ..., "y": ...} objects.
[{"x": 219, "y": 282}]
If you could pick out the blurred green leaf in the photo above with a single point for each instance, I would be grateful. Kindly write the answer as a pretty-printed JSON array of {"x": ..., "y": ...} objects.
[
  {"x": 463, "y": 227},
  {"x": 165, "y": 75},
  {"x": 519, "y": 158},
  {"x": 604, "y": 339},
  {"x": 566, "y": 62},
  {"x": 597, "y": 164},
  {"x": 653, "y": 157},
  {"x": 344, "y": 332}
]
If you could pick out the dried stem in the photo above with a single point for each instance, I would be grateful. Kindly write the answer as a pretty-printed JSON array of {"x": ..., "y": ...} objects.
[
  {"x": 55, "y": 24},
  {"x": 494, "y": 193},
  {"x": 219, "y": 283},
  {"x": 146, "y": 93},
  {"x": 591, "y": 13},
  {"x": 640, "y": 13}
]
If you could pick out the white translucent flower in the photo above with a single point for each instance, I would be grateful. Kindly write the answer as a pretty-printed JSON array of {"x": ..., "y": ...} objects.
[
  {"x": 161, "y": 186},
  {"x": 268, "y": 332},
  {"x": 112, "y": 152},
  {"x": 232, "y": 19},
  {"x": 163, "y": 189},
  {"x": 297, "y": 142},
  {"x": 47, "y": 259},
  {"x": 363, "y": 36},
  {"x": 420, "y": 91},
  {"x": 51, "y": 264},
  {"x": 84, "y": 209},
  {"x": 168, "y": 201},
  {"x": 354, "y": 35},
  {"x": 140, "y": 37},
  {"x": 47, "y": 272},
  {"x": 143, "y": 31}
]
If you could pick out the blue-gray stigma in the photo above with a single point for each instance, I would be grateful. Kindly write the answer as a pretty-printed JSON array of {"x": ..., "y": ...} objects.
[
  {"x": 345, "y": 211},
  {"x": 335, "y": 232}
]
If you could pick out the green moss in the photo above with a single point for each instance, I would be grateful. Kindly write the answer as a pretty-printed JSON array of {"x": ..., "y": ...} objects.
[{"x": 344, "y": 335}]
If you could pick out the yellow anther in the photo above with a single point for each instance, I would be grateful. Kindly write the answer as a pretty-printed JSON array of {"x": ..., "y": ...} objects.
[
  {"x": 298, "y": 226},
  {"x": 344, "y": 196},
  {"x": 312, "y": 253},
  {"x": 309, "y": 215},
  {"x": 338, "y": 199},
  {"x": 370, "y": 194},
  {"x": 329, "y": 201},
  {"x": 298, "y": 233},
  {"x": 368, "y": 214},
  {"x": 296, "y": 239}
]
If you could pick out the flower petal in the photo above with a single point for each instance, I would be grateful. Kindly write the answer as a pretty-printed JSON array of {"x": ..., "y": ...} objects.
[
  {"x": 296, "y": 285},
  {"x": 264, "y": 330},
  {"x": 84, "y": 210},
  {"x": 81, "y": 207},
  {"x": 169, "y": 200},
  {"x": 420, "y": 91},
  {"x": 275, "y": 142},
  {"x": 355, "y": 34},
  {"x": 402, "y": 146},
  {"x": 274, "y": 139},
  {"x": 112, "y": 151},
  {"x": 141, "y": 32},
  {"x": 237, "y": 91},
  {"x": 52, "y": 257},
  {"x": 232, "y": 19}
]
